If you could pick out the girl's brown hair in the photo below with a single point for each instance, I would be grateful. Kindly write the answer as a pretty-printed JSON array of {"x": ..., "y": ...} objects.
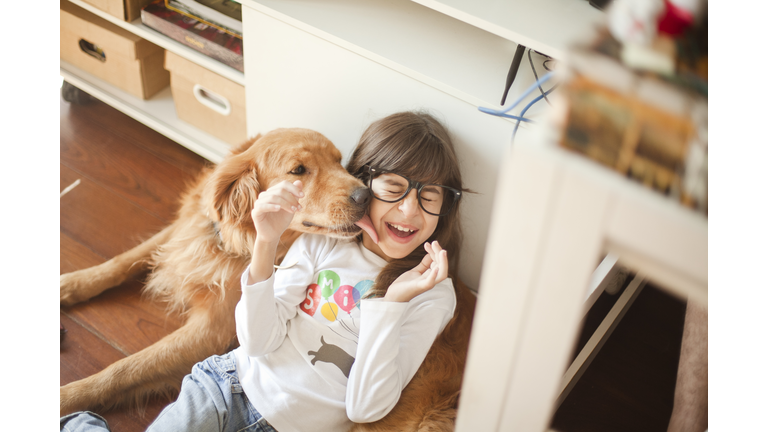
[{"x": 417, "y": 146}]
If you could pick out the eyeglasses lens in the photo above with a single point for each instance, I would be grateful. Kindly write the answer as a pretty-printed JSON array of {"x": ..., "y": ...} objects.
[{"x": 392, "y": 187}]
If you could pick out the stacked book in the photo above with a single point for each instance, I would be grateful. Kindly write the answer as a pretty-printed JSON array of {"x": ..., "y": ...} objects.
[{"x": 213, "y": 27}]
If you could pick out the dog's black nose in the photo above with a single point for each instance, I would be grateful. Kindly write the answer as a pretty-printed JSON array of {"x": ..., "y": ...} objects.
[{"x": 361, "y": 196}]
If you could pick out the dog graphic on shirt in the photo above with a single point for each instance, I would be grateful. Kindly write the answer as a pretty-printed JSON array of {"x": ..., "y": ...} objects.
[{"x": 331, "y": 353}]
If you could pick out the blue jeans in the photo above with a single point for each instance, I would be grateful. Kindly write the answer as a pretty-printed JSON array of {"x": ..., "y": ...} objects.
[{"x": 211, "y": 399}]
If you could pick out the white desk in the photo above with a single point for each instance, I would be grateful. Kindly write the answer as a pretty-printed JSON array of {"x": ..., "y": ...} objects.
[{"x": 556, "y": 213}]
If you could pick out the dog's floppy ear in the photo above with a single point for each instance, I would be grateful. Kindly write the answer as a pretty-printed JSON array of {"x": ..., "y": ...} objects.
[
  {"x": 245, "y": 145},
  {"x": 232, "y": 189}
]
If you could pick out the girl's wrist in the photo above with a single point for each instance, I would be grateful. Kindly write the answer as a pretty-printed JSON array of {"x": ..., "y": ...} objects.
[
  {"x": 392, "y": 297},
  {"x": 262, "y": 260},
  {"x": 261, "y": 245}
]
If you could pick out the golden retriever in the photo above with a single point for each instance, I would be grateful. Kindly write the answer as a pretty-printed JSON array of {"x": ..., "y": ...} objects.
[{"x": 196, "y": 263}]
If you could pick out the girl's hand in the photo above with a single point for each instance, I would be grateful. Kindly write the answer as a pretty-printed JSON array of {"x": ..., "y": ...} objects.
[
  {"x": 274, "y": 209},
  {"x": 432, "y": 270}
]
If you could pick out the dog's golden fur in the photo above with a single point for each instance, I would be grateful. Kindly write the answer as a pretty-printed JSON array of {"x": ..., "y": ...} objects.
[{"x": 196, "y": 262}]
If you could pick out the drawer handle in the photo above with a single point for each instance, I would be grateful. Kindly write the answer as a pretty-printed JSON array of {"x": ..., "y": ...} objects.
[
  {"x": 218, "y": 103},
  {"x": 92, "y": 50}
]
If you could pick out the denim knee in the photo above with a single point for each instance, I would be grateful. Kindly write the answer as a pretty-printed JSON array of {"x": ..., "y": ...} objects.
[{"x": 83, "y": 421}]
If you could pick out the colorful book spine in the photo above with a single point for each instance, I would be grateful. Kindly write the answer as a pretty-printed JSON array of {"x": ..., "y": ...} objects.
[
  {"x": 207, "y": 39},
  {"x": 181, "y": 8}
]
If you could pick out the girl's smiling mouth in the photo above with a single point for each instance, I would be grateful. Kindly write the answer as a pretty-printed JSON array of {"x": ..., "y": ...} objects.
[{"x": 400, "y": 233}]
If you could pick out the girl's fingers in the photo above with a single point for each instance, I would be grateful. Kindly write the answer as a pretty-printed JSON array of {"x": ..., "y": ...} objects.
[
  {"x": 433, "y": 249},
  {"x": 296, "y": 188},
  {"x": 284, "y": 193},
  {"x": 431, "y": 277},
  {"x": 436, "y": 248},
  {"x": 284, "y": 201},
  {"x": 424, "y": 265},
  {"x": 442, "y": 266}
]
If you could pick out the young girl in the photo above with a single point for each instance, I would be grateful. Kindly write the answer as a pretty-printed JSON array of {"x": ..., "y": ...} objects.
[{"x": 335, "y": 335}]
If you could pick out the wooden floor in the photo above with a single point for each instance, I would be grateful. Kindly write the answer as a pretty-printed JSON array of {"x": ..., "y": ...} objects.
[{"x": 130, "y": 178}]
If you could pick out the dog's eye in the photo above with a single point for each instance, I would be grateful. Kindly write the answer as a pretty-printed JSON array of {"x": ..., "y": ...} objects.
[{"x": 299, "y": 170}]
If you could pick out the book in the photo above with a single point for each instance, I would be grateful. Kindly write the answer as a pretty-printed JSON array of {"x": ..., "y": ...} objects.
[
  {"x": 226, "y": 12},
  {"x": 180, "y": 7},
  {"x": 209, "y": 40}
]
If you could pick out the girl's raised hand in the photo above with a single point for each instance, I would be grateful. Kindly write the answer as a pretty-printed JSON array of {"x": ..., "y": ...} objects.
[
  {"x": 432, "y": 270},
  {"x": 273, "y": 210}
]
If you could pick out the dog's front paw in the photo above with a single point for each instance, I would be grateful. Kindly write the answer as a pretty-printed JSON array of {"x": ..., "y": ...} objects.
[{"x": 71, "y": 291}]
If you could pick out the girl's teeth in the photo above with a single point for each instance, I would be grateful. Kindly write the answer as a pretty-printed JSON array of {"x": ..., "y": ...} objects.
[{"x": 401, "y": 228}]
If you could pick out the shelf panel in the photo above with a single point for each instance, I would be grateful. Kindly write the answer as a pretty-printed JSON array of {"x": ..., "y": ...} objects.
[
  {"x": 547, "y": 26},
  {"x": 157, "y": 38},
  {"x": 159, "y": 112},
  {"x": 455, "y": 57}
]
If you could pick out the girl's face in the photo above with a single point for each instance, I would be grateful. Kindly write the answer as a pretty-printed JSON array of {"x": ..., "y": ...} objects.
[{"x": 401, "y": 227}]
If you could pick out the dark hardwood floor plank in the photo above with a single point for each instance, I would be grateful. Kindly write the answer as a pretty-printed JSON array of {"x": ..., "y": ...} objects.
[
  {"x": 82, "y": 354},
  {"x": 101, "y": 219},
  {"x": 97, "y": 114},
  {"x": 130, "y": 171},
  {"x": 75, "y": 256},
  {"x": 125, "y": 319}
]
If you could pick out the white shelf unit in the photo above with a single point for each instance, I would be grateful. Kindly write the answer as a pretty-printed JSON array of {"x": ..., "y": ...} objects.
[
  {"x": 157, "y": 38},
  {"x": 547, "y": 26},
  {"x": 158, "y": 112},
  {"x": 438, "y": 50}
]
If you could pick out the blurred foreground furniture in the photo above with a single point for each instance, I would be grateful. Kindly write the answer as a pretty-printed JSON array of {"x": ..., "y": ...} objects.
[{"x": 556, "y": 214}]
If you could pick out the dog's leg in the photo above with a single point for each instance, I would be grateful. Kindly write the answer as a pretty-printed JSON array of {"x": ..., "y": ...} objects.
[
  {"x": 84, "y": 284},
  {"x": 209, "y": 329}
]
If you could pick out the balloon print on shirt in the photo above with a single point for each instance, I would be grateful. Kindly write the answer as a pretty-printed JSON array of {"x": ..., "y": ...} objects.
[
  {"x": 362, "y": 287},
  {"x": 312, "y": 300},
  {"x": 329, "y": 282},
  {"x": 328, "y": 286},
  {"x": 345, "y": 298}
]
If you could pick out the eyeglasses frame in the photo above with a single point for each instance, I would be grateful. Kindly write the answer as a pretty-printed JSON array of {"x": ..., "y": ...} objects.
[{"x": 412, "y": 184}]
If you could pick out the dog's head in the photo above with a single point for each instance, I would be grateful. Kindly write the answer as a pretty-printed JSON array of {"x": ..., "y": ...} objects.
[{"x": 333, "y": 199}]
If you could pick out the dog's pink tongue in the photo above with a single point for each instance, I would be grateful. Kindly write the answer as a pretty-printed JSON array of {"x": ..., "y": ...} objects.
[{"x": 367, "y": 226}]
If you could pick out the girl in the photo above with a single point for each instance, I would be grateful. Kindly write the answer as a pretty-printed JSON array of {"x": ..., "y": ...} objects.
[{"x": 335, "y": 335}]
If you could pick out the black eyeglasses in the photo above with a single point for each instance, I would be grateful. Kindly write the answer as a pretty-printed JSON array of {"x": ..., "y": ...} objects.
[{"x": 435, "y": 199}]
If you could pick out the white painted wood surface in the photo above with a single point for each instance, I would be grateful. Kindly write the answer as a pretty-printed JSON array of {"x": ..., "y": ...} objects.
[
  {"x": 547, "y": 26},
  {"x": 555, "y": 212},
  {"x": 435, "y": 49}
]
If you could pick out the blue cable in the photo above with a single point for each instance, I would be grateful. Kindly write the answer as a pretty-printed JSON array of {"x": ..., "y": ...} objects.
[
  {"x": 530, "y": 104},
  {"x": 503, "y": 112}
]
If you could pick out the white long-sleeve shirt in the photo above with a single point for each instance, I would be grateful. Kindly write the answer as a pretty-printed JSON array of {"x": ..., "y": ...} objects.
[{"x": 312, "y": 356}]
